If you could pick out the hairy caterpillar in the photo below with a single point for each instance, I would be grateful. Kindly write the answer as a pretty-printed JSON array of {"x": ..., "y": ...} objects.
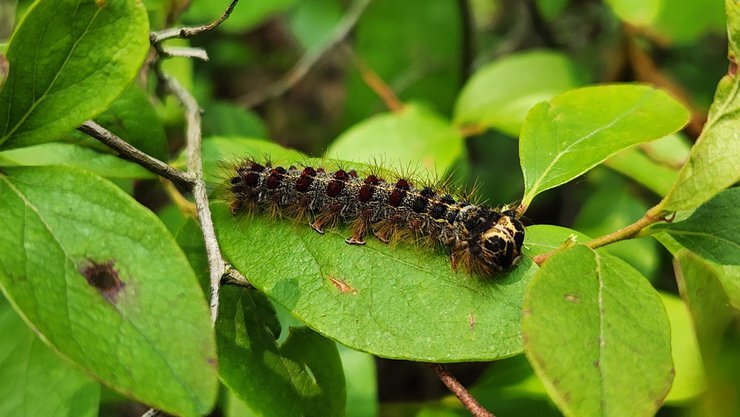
[{"x": 480, "y": 239}]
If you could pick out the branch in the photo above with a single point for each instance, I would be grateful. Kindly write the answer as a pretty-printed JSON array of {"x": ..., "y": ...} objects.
[
  {"x": 624, "y": 233},
  {"x": 216, "y": 263},
  {"x": 307, "y": 61},
  {"x": 188, "y": 32},
  {"x": 460, "y": 391},
  {"x": 181, "y": 179}
]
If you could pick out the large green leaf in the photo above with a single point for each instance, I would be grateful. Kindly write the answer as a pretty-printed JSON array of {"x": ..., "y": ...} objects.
[
  {"x": 415, "y": 137},
  {"x": 577, "y": 130},
  {"x": 713, "y": 230},
  {"x": 102, "y": 280},
  {"x": 132, "y": 117},
  {"x": 392, "y": 301},
  {"x": 34, "y": 381},
  {"x": 713, "y": 161},
  {"x": 68, "y": 154},
  {"x": 597, "y": 334},
  {"x": 303, "y": 376},
  {"x": 501, "y": 93},
  {"x": 69, "y": 60},
  {"x": 388, "y": 300}
]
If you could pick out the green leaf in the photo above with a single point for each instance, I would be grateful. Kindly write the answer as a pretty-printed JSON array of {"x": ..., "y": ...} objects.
[
  {"x": 226, "y": 119},
  {"x": 132, "y": 117},
  {"x": 303, "y": 376},
  {"x": 500, "y": 93},
  {"x": 712, "y": 164},
  {"x": 313, "y": 22},
  {"x": 701, "y": 285},
  {"x": 67, "y": 154},
  {"x": 581, "y": 337},
  {"x": 686, "y": 21},
  {"x": 637, "y": 12},
  {"x": 577, "y": 130},
  {"x": 690, "y": 380},
  {"x": 392, "y": 301},
  {"x": 82, "y": 55},
  {"x": 362, "y": 382},
  {"x": 654, "y": 164},
  {"x": 413, "y": 136},
  {"x": 713, "y": 230},
  {"x": 4, "y": 68},
  {"x": 34, "y": 381},
  {"x": 102, "y": 280}
]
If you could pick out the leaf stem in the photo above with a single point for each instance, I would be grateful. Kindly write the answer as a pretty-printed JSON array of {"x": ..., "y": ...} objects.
[
  {"x": 654, "y": 215},
  {"x": 460, "y": 391}
]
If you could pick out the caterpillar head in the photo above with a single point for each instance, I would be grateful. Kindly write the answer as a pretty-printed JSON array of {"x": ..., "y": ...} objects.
[{"x": 496, "y": 244}]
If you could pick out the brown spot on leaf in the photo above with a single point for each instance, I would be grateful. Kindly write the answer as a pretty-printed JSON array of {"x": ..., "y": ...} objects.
[
  {"x": 732, "y": 69},
  {"x": 100, "y": 3},
  {"x": 4, "y": 68},
  {"x": 572, "y": 298},
  {"x": 471, "y": 321},
  {"x": 103, "y": 277},
  {"x": 342, "y": 286}
]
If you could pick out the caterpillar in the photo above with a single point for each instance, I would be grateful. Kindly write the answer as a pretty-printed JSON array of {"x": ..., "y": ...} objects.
[{"x": 480, "y": 240}]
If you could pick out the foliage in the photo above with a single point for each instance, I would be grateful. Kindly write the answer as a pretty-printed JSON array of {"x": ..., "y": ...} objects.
[{"x": 100, "y": 296}]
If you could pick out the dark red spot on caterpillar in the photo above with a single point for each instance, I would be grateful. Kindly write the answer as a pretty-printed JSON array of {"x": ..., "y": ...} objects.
[
  {"x": 396, "y": 197},
  {"x": 341, "y": 175},
  {"x": 403, "y": 184},
  {"x": 366, "y": 193},
  {"x": 334, "y": 188},
  {"x": 304, "y": 181},
  {"x": 372, "y": 180},
  {"x": 251, "y": 179},
  {"x": 275, "y": 178}
]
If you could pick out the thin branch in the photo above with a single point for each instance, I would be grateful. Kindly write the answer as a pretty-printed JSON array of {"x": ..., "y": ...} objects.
[
  {"x": 184, "y": 52},
  {"x": 460, "y": 391},
  {"x": 307, "y": 61},
  {"x": 373, "y": 80},
  {"x": 188, "y": 32},
  {"x": 627, "y": 232},
  {"x": 216, "y": 262},
  {"x": 181, "y": 179}
]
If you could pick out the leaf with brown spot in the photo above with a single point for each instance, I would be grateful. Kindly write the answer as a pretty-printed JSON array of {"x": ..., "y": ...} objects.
[{"x": 75, "y": 237}]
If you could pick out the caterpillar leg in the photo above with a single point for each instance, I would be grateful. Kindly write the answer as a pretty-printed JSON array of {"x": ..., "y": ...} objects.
[
  {"x": 318, "y": 226},
  {"x": 359, "y": 230}
]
